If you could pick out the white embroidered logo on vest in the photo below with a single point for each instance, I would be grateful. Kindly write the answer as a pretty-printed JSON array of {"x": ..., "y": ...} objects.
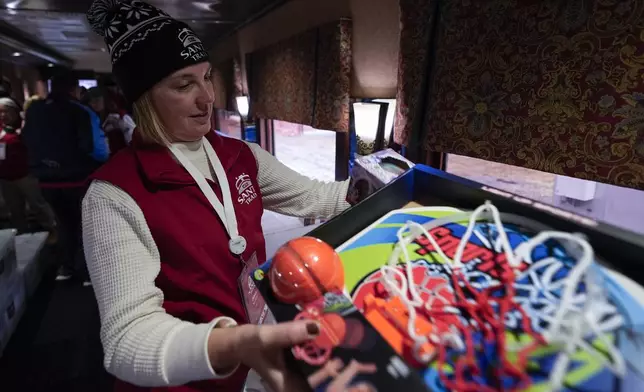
[{"x": 245, "y": 189}]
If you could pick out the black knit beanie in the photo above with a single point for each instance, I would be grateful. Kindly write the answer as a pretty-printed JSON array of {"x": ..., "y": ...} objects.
[{"x": 145, "y": 43}]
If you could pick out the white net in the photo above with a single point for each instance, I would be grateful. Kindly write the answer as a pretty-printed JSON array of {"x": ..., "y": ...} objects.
[{"x": 565, "y": 308}]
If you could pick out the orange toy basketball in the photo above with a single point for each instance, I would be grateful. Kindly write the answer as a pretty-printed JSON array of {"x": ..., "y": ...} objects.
[
  {"x": 304, "y": 269},
  {"x": 333, "y": 331}
]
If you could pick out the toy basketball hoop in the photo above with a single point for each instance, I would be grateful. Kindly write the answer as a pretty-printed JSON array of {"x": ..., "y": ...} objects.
[{"x": 483, "y": 311}]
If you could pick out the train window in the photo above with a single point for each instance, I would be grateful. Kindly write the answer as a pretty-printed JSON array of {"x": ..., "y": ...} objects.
[
  {"x": 229, "y": 123},
  {"x": 308, "y": 151},
  {"x": 618, "y": 206}
]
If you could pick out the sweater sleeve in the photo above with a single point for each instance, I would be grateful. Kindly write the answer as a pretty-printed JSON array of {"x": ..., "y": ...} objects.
[
  {"x": 143, "y": 344},
  {"x": 287, "y": 192}
]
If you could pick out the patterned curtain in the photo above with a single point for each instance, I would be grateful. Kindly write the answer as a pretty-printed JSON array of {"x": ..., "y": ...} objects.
[
  {"x": 333, "y": 74},
  {"x": 304, "y": 79},
  {"x": 417, "y": 18},
  {"x": 227, "y": 82},
  {"x": 556, "y": 86}
]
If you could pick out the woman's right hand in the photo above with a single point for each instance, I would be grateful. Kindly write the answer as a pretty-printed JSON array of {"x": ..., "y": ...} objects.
[{"x": 262, "y": 348}]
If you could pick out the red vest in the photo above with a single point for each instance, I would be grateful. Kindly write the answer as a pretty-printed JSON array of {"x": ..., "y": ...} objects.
[
  {"x": 198, "y": 272},
  {"x": 15, "y": 165}
]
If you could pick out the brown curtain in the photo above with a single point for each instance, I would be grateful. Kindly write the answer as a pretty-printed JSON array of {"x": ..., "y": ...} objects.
[
  {"x": 549, "y": 85},
  {"x": 304, "y": 79},
  {"x": 227, "y": 82},
  {"x": 417, "y": 18},
  {"x": 334, "y": 64}
]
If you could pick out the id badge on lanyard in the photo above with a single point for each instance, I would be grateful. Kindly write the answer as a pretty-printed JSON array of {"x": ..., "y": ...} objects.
[{"x": 256, "y": 309}]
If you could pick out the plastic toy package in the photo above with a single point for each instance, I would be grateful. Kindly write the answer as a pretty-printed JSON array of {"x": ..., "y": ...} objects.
[{"x": 438, "y": 299}]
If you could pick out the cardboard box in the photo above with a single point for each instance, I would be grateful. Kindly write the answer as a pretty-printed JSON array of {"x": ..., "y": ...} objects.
[
  {"x": 372, "y": 172},
  {"x": 8, "y": 261},
  {"x": 4, "y": 334},
  {"x": 12, "y": 309},
  {"x": 23, "y": 253},
  {"x": 30, "y": 265}
]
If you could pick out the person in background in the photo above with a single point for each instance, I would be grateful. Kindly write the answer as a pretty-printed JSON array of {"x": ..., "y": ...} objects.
[
  {"x": 18, "y": 186},
  {"x": 6, "y": 91},
  {"x": 94, "y": 103},
  {"x": 59, "y": 136},
  {"x": 94, "y": 99},
  {"x": 114, "y": 95},
  {"x": 31, "y": 100},
  {"x": 118, "y": 124},
  {"x": 171, "y": 222},
  {"x": 82, "y": 93}
]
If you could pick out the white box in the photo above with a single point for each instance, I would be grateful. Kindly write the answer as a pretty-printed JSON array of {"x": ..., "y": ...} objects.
[
  {"x": 575, "y": 188},
  {"x": 4, "y": 333},
  {"x": 30, "y": 265},
  {"x": 12, "y": 309},
  {"x": 372, "y": 172},
  {"x": 8, "y": 261},
  {"x": 618, "y": 206}
]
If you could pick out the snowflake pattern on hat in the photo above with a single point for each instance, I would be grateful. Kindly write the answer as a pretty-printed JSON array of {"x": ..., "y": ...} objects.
[
  {"x": 145, "y": 43},
  {"x": 123, "y": 23}
]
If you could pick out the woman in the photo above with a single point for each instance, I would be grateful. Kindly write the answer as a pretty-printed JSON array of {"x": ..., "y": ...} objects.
[
  {"x": 170, "y": 221},
  {"x": 18, "y": 187}
]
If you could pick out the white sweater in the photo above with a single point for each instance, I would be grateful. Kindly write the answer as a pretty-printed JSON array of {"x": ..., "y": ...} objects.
[{"x": 143, "y": 344}]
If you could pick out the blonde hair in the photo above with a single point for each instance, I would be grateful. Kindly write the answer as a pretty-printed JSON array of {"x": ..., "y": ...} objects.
[
  {"x": 148, "y": 124},
  {"x": 31, "y": 100}
]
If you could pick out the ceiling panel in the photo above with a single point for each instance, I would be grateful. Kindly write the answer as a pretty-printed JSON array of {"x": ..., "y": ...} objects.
[
  {"x": 61, "y": 24},
  {"x": 9, "y": 55}
]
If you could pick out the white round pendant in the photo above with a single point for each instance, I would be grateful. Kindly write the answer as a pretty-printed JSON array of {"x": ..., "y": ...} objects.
[{"x": 237, "y": 245}]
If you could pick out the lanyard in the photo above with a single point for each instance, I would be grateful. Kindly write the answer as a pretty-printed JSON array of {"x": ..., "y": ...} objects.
[{"x": 225, "y": 211}]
